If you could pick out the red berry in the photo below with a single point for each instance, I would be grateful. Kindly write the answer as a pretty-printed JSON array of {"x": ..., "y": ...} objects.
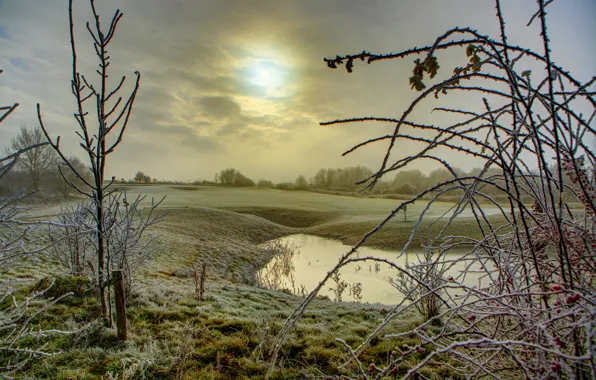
[
  {"x": 560, "y": 343},
  {"x": 372, "y": 367},
  {"x": 471, "y": 318},
  {"x": 572, "y": 299}
]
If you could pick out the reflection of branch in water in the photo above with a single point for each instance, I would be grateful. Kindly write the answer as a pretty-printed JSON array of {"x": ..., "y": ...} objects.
[
  {"x": 280, "y": 270},
  {"x": 355, "y": 291},
  {"x": 340, "y": 286}
]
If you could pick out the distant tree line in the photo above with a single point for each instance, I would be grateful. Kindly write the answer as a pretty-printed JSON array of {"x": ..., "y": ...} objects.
[
  {"x": 141, "y": 177},
  {"x": 232, "y": 177},
  {"x": 340, "y": 179},
  {"x": 345, "y": 181}
]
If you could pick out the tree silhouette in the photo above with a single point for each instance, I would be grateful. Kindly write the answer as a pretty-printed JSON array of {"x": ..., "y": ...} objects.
[{"x": 37, "y": 162}]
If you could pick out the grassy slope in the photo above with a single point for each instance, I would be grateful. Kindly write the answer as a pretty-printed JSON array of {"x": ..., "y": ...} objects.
[
  {"x": 227, "y": 241},
  {"x": 225, "y": 331},
  {"x": 217, "y": 339},
  {"x": 227, "y": 328}
]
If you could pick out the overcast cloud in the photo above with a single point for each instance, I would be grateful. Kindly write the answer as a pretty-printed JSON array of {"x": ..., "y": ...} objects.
[{"x": 238, "y": 83}]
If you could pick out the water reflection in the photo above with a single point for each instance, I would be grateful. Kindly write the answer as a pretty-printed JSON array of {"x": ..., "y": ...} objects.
[{"x": 318, "y": 255}]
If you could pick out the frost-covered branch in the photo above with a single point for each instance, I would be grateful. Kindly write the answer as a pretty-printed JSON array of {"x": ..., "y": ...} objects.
[{"x": 520, "y": 298}]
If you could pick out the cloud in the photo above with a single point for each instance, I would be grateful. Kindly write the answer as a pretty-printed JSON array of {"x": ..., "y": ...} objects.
[
  {"x": 220, "y": 107},
  {"x": 3, "y": 33},
  {"x": 230, "y": 129},
  {"x": 202, "y": 144}
]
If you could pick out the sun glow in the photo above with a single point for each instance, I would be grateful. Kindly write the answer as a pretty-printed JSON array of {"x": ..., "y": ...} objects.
[
  {"x": 265, "y": 78},
  {"x": 267, "y": 74}
]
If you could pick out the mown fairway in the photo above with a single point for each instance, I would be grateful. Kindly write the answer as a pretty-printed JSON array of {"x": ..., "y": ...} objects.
[
  {"x": 333, "y": 216},
  {"x": 263, "y": 198},
  {"x": 357, "y": 209}
]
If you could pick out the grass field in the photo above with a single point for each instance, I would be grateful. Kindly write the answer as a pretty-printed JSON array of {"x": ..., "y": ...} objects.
[
  {"x": 173, "y": 335},
  {"x": 223, "y": 225},
  {"x": 189, "y": 196}
]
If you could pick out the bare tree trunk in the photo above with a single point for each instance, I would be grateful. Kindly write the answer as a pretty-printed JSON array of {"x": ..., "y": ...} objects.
[{"x": 101, "y": 258}]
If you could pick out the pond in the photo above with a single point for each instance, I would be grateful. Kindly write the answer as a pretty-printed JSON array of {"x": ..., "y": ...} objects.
[{"x": 315, "y": 256}]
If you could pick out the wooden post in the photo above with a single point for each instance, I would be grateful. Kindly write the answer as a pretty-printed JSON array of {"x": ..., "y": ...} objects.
[
  {"x": 120, "y": 298},
  {"x": 203, "y": 277}
]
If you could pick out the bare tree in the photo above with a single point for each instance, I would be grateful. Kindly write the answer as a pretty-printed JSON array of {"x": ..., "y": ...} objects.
[
  {"x": 232, "y": 177},
  {"x": 73, "y": 240},
  {"x": 37, "y": 162},
  {"x": 140, "y": 177},
  {"x": 112, "y": 114},
  {"x": 301, "y": 182},
  {"x": 129, "y": 242},
  {"x": 533, "y": 315}
]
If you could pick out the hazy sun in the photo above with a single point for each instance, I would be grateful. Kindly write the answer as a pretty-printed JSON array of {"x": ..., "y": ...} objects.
[
  {"x": 267, "y": 74},
  {"x": 265, "y": 78}
]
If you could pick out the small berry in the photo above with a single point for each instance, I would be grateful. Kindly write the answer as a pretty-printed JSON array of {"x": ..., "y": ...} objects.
[
  {"x": 572, "y": 299},
  {"x": 560, "y": 343}
]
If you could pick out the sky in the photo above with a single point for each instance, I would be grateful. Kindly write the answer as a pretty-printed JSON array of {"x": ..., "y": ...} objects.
[{"x": 242, "y": 83}]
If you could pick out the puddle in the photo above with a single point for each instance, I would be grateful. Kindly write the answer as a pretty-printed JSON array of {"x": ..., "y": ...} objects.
[{"x": 315, "y": 256}]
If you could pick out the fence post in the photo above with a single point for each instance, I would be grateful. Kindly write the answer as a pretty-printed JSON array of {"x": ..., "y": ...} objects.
[{"x": 118, "y": 277}]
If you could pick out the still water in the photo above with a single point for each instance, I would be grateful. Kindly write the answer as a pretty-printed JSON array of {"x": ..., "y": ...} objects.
[{"x": 316, "y": 256}]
